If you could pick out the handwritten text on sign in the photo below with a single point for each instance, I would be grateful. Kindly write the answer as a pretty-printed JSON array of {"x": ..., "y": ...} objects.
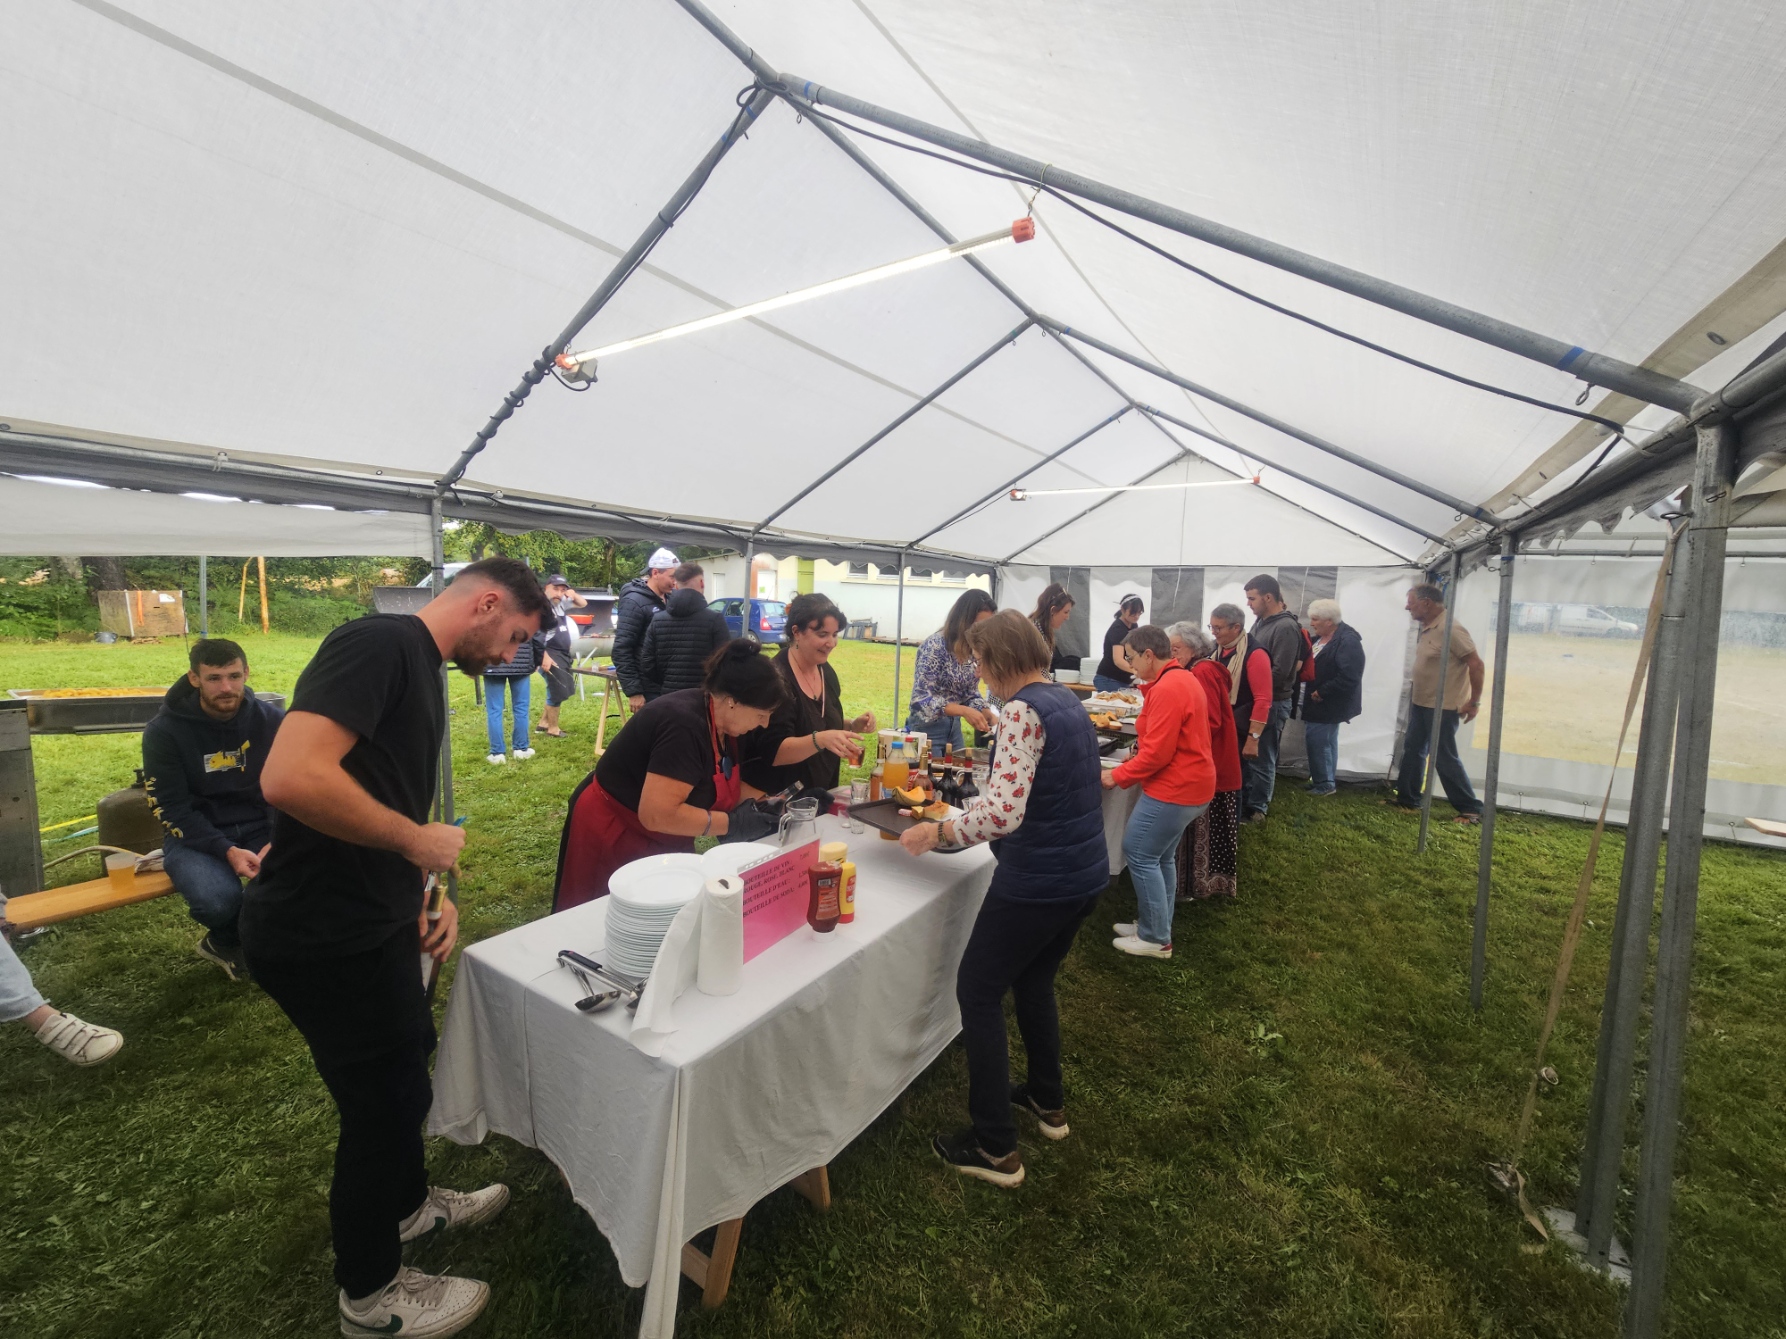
[{"x": 775, "y": 896}]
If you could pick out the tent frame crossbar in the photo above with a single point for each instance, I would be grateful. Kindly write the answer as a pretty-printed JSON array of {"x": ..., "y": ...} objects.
[
  {"x": 1596, "y": 369},
  {"x": 1023, "y": 474},
  {"x": 905, "y": 416},
  {"x": 1185, "y": 453},
  {"x": 1438, "y": 495},
  {"x": 1268, "y": 463},
  {"x": 175, "y": 471},
  {"x": 622, "y": 269}
]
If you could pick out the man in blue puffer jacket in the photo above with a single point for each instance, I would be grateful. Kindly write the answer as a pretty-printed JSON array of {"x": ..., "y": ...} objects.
[{"x": 1043, "y": 813}]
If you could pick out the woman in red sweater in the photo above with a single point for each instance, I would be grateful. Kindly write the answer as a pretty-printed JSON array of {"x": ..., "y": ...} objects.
[
  {"x": 1209, "y": 855},
  {"x": 1176, "y": 773}
]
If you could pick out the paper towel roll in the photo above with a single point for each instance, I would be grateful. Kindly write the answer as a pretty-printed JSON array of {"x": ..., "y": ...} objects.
[{"x": 722, "y": 937}]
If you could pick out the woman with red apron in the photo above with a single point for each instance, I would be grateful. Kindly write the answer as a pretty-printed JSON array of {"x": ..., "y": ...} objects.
[{"x": 671, "y": 775}]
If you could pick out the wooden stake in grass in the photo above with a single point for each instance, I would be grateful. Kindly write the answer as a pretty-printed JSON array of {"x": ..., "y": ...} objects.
[
  {"x": 242, "y": 604},
  {"x": 265, "y": 627}
]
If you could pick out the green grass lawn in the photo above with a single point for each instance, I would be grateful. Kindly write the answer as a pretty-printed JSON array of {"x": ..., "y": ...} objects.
[{"x": 1280, "y": 1132}]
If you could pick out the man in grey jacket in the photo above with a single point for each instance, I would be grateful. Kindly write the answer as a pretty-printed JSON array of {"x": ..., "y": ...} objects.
[{"x": 1276, "y": 631}]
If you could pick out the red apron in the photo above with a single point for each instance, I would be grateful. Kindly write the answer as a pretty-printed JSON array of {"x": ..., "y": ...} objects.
[{"x": 601, "y": 834}]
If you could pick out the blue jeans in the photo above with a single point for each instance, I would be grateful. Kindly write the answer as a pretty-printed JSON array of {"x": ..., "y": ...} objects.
[
  {"x": 1261, "y": 772},
  {"x": 1411, "y": 784},
  {"x": 943, "y": 730},
  {"x": 18, "y": 996},
  {"x": 1150, "y": 845},
  {"x": 1322, "y": 740},
  {"x": 213, "y": 891},
  {"x": 1105, "y": 684},
  {"x": 521, "y": 689}
]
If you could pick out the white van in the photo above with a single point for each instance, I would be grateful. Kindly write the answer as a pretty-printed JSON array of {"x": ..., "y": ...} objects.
[{"x": 1590, "y": 620}]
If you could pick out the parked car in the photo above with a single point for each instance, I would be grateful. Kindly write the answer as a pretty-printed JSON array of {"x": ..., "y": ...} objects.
[
  {"x": 1589, "y": 620},
  {"x": 450, "y": 569},
  {"x": 764, "y": 622},
  {"x": 1576, "y": 620}
]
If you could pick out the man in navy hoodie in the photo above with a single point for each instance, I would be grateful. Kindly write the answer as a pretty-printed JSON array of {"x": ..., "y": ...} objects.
[{"x": 202, "y": 756}]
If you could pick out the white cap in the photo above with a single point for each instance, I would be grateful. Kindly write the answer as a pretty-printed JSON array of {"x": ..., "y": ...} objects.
[{"x": 661, "y": 559}]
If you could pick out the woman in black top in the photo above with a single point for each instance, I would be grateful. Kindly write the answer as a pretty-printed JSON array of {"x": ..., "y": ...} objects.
[
  {"x": 1052, "y": 610},
  {"x": 1113, "y": 669},
  {"x": 671, "y": 775},
  {"x": 808, "y": 737}
]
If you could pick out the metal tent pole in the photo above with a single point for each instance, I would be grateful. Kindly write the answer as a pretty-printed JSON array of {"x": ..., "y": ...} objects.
[
  {"x": 1620, "y": 1010},
  {"x": 1020, "y": 476},
  {"x": 899, "y": 641},
  {"x": 1595, "y": 368},
  {"x": 661, "y": 222},
  {"x": 1492, "y": 782},
  {"x": 1430, "y": 771},
  {"x": 443, "y": 795},
  {"x": 1713, "y": 476},
  {"x": 1002, "y": 342},
  {"x": 1439, "y": 495},
  {"x": 204, "y": 597}
]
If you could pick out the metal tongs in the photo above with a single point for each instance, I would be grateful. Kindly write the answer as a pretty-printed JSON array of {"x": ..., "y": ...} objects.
[{"x": 617, "y": 983}]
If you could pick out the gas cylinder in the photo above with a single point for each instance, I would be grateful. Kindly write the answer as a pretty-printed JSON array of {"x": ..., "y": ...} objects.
[{"x": 127, "y": 820}]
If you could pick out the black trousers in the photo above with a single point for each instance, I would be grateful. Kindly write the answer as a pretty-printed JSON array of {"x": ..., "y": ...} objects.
[
  {"x": 1015, "y": 946},
  {"x": 366, "y": 1019}
]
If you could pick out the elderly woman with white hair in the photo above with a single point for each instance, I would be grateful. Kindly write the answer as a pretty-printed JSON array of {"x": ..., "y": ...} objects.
[
  {"x": 1209, "y": 852},
  {"x": 1336, "y": 694}
]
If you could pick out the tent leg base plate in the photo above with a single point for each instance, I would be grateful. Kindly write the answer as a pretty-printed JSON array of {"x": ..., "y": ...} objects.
[{"x": 1562, "y": 1227}]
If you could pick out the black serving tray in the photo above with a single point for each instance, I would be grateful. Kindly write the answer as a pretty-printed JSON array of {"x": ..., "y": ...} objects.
[{"x": 884, "y": 816}]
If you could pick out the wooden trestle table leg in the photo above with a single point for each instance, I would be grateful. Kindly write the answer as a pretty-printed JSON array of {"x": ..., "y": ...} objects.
[{"x": 713, "y": 1273}]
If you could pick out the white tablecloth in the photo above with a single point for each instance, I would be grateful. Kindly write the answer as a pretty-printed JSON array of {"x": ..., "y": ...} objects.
[
  {"x": 1118, "y": 805},
  {"x": 751, "y": 1090}
]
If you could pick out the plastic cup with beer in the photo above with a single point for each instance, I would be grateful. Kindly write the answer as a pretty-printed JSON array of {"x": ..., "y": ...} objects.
[{"x": 120, "y": 868}]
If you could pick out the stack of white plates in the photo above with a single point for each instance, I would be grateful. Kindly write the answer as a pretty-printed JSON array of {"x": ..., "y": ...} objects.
[{"x": 643, "y": 898}]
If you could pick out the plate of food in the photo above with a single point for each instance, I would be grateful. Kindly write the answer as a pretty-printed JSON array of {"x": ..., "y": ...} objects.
[{"x": 1113, "y": 704}]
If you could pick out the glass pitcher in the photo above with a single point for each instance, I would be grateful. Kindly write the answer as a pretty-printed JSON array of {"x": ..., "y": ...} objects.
[{"x": 799, "y": 823}]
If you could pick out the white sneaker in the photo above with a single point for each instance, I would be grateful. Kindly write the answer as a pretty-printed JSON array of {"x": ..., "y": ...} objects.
[
  {"x": 497, "y": 758},
  {"x": 1126, "y": 929},
  {"x": 1141, "y": 948},
  {"x": 427, "y": 1306},
  {"x": 453, "y": 1208},
  {"x": 79, "y": 1043},
  {"x": 521, "y": 754}
]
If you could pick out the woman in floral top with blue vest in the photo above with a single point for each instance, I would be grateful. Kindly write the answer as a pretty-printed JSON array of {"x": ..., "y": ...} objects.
[{"x": 946, "y": 682}]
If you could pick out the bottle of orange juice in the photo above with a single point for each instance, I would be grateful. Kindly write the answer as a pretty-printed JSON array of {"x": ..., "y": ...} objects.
[{"x": 896, "y": 770}]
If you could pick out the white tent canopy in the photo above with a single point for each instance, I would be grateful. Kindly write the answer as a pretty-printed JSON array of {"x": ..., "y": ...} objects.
[
  {"x": 52, "y": 518},
  {"x": 317, "y": 234}
]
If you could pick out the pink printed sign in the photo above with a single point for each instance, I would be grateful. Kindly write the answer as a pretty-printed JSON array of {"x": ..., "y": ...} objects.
[{"x": 775, "y": 896}]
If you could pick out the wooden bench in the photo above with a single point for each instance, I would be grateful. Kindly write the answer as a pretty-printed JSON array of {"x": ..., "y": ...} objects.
[{"x": 29, "y": 911}]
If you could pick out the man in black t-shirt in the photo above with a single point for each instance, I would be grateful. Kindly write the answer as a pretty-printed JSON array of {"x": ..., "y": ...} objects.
[{"x": 334, "y": 927}]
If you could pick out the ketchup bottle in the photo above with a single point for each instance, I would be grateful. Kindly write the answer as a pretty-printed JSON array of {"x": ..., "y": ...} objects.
[{"x": 825, "y": 888}]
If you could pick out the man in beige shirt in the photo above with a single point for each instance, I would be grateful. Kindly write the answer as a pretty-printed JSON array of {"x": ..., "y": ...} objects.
[{"x": 1463, "y": 697}]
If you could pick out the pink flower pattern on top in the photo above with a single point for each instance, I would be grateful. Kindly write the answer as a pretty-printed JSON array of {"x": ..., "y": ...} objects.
[{"x": 998, "y": 811}]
